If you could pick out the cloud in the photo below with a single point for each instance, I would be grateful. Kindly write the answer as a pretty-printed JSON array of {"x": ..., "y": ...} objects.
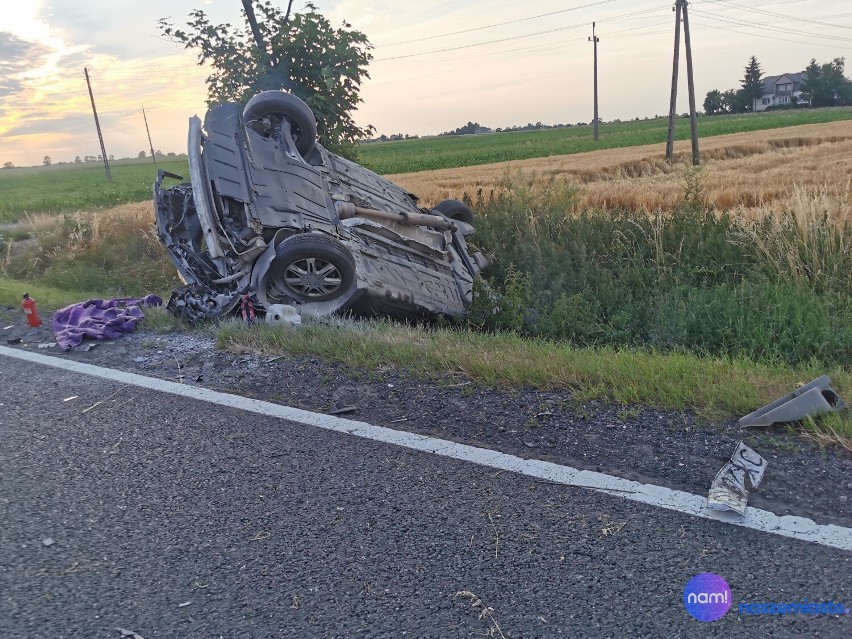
[
  {"x": 17, "y": 58},
  {"x": 72, "y": 125}
]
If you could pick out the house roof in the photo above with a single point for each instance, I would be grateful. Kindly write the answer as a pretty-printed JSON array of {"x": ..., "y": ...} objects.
[{"x": 770, "y": 80}]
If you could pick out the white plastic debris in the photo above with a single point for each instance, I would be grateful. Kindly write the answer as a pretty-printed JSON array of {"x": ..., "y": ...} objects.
[
  {"x": 809, "y": 400},
  {"x": 729, "y": 490},
  {"x": 283, "y": 314}
]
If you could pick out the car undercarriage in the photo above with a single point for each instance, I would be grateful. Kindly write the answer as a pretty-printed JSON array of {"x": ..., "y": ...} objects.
[{"x": 271, "y": 217}]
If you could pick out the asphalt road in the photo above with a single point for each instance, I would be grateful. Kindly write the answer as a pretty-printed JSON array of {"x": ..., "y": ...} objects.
[{"x": 125, "y": 508}]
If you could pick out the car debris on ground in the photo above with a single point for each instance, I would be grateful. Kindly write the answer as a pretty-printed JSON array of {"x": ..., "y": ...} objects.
[
  {"x": 729, "y": 490},
  {"x": 809, "y": 400},
  {"x": 283, "y": 314},
  {"x": 271, "y": 214}
]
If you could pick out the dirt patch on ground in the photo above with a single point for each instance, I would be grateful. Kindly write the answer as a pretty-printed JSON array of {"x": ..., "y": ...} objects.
[{"x": 669, "y": 448}]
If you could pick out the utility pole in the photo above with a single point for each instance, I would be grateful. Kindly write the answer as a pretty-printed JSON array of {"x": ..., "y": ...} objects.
[
  {"x": 693, "y": 124},
  {"x": 595, "y": 40},
  {"x": 258, "y": 36},
  {"x": 276, "y": 72},
  {"x": 98, "y": 126},
  {"x": 681, "y": 11},
  {"x": 673, "y": 101},
  {"x": 150, "y": 144}
]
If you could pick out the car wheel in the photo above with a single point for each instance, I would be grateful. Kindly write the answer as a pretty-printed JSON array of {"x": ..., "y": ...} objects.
[
  {"x": 309, "y": 268},
  {"x": 456, "y": 210},
  {"x": 275, "y": 107}
]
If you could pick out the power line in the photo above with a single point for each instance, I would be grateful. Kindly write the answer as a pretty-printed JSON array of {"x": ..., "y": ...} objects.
[
  {"x": 748, "y": 23},
  {"x": 768, "y": 37},
  {"x": 491, "y": 26},
  {"x": 781, "y": 15},
  {"x": 508, "y": 54},
  {"x": 501, "y": 55},
  {"x": 518, "y": 37}
]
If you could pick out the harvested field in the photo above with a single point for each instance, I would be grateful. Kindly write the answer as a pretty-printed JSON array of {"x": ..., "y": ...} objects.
[{"x": 749, "y": 173}]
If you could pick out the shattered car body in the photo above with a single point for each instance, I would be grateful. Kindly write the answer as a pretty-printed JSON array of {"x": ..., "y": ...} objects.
[{"x": 272, "y": 215}]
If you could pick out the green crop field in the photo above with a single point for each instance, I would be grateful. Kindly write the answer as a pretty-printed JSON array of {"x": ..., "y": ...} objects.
[
  {"x": 70, "y": 188},
  {"x": 75, "y": 187},
  {"x": 425, "y": 154}
]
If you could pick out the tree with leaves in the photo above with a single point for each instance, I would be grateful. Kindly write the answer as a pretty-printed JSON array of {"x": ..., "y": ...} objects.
[
  {"x": 713, "y": 103},
  {"x": 752, "y": 85},
  {"x": 298, "y": 52},
  {"x": 826, "y": 85},
  {"x": 720, "y": 103},
  {"x": 46, "y": 161},
  {"x": 733, "y": 102}
]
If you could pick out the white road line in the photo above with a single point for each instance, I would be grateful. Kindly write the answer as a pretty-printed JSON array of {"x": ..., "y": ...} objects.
[{"x": 658, "y": 496}]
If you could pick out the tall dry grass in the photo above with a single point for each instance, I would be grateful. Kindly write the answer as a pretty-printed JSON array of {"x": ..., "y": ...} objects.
[
  {"x": 744, "y": 172},
  {"x": 116, "y": 251},
  {"x": 806, "y": 237}
]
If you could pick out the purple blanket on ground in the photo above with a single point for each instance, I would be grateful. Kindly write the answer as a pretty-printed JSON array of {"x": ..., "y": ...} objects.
[{"x": 99, "y": 319}]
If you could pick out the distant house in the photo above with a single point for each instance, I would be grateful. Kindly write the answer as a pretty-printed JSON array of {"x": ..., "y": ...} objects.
[{"x": 780, "y": 90}]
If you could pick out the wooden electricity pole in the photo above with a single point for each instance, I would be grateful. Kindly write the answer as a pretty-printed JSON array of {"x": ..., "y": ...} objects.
[
  {"x": 258, "y": 36},
  {"x": 681, "y": 11},
  {"x": 98, "y": 127},
  {"x": 148, "y": 131},
  {"x": 673, "y": 100},
  {"x": 276, "y": 71},
  {"x": 693, "y": 124},
  {"x": 595, "y": 40}
]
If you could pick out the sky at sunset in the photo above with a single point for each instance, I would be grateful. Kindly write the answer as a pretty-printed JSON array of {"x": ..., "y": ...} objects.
[{"x": 437, "y": 65}]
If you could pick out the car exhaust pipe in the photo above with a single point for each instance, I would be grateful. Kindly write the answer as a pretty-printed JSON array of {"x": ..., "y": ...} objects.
[{"x": 347, "y": 210}]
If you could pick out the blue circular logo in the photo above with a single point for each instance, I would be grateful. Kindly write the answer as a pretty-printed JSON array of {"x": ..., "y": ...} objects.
[{"x": 707, "y": 597}]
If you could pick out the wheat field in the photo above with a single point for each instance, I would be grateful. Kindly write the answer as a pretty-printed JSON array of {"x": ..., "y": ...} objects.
[{"x": 747, "y": 173}]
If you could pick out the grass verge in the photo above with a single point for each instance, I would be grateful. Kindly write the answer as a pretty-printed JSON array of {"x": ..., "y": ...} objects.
[
  {"x": 50, "y": 298},
  {"x": 47, "y": 297},
  {"x": 715, "y": 388}
]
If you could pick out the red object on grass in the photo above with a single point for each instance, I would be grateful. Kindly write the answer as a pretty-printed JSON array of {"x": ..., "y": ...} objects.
[
  {"x": 247, "y": 309},
  {"x": 30, "y": 311}
]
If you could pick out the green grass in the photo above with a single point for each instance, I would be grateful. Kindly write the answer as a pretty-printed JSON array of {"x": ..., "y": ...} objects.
[
  {"x": 424, "y": 154},
  {"x": 78, "y": 187},
  {"x": 713, "y": 387},
  {"x": 688, "y": 279},
  {"x": 75, "y": 187},
  {"x": 49, "y": 299}
]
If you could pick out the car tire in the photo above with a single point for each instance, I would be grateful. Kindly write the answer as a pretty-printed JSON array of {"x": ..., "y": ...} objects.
[
  {"x": 285, "y": 106},
  {"x": 309, "y": 267},
  {"x": 456, "y": 210}
]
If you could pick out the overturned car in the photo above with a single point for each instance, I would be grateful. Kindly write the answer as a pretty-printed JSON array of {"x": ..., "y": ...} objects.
[{"x": 271, "y": 217}]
